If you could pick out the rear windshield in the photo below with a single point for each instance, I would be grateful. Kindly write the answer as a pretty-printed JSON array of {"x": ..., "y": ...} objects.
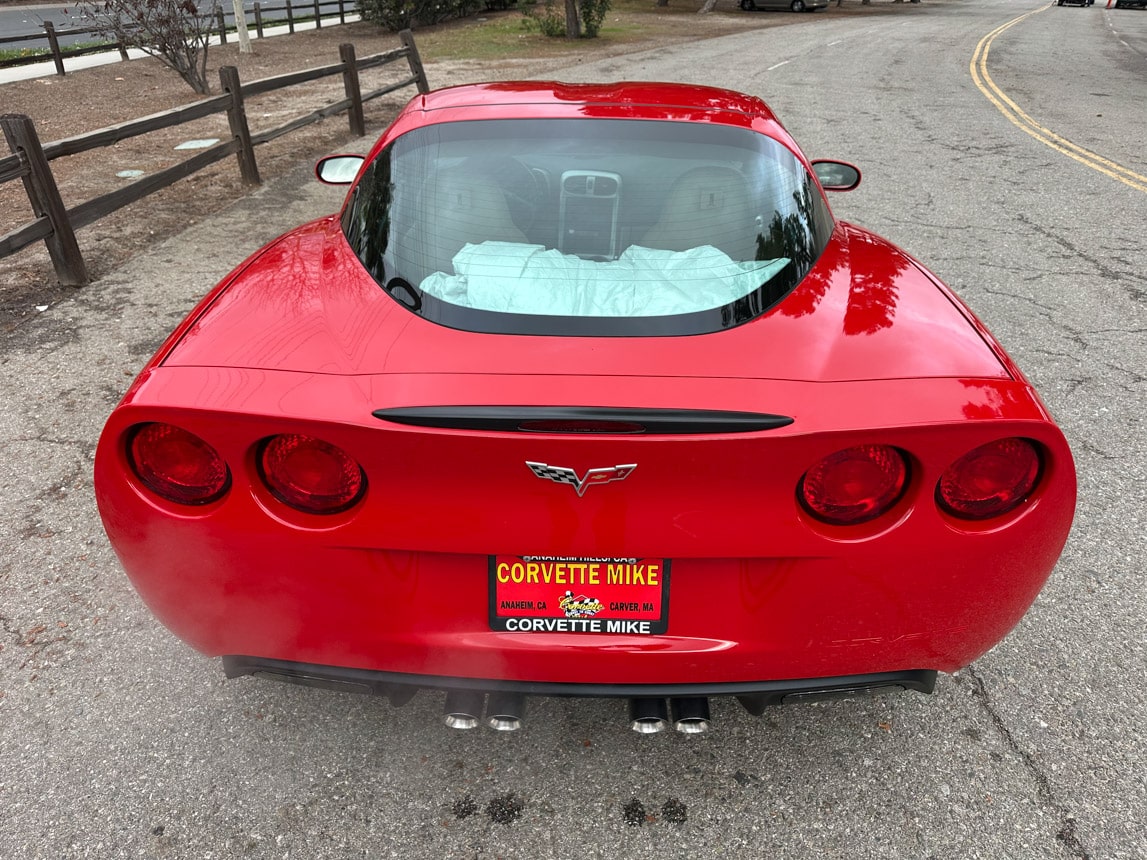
[{"x": 587, "y": 226}]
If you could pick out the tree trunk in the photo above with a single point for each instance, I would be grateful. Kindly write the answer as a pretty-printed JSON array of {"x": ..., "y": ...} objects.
[
  {"x": 241, "y": 27},
  {"x": 571, "y": 19}
]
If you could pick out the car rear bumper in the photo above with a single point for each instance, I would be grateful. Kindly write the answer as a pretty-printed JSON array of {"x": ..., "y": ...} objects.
[{"x": 400, "y": 686}]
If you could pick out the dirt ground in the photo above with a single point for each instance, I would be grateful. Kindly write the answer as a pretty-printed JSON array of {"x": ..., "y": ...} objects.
[{"x": 90, "y": 99}]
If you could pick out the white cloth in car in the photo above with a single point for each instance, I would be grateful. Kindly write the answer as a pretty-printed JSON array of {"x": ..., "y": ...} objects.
[{"x": 528, "y": 279}]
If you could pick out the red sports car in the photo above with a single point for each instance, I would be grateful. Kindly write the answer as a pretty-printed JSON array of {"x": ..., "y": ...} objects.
[{"x": 585, "y": 392}]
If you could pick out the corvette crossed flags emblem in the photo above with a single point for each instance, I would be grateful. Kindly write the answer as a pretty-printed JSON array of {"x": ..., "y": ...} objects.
[{"x": 562, "y": 475}]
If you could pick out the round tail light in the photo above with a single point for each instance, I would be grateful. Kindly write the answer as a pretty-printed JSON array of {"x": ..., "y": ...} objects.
[
  {"x": 990, "y": 480},
  {"x": 311, "y": 475},
  {"x": 177, "y": 465},
  {"x": 854, "y": 485}
]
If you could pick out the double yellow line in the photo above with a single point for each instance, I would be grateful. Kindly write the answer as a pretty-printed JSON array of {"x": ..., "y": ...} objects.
[{"x": 1015, "y": 115}]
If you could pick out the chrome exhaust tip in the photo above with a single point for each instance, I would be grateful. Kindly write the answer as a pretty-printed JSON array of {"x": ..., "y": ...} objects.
[
  {"x": 691, "y": 716},
  {"x": 648, "y": 716},
  {"x": 462, "y": 709},
  {"x": 504, "y": 711}
]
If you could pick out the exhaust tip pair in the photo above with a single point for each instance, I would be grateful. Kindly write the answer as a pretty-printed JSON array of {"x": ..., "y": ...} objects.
[
  {"x": 690, "y": 716},
  {"x": 504, "y": 711}
]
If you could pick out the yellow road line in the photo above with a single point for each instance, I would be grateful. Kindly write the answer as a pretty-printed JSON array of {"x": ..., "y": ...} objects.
[{"x": 1022, "y": 121}]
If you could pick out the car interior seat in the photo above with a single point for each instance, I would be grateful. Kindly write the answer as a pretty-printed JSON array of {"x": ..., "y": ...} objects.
[
  {"x": 707, "y": 206},
  {"x": 457, "y": 207}
]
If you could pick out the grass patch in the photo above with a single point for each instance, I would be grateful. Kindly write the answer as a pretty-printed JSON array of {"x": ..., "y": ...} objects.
[
  {"x": 21, "y": 56},
  {"x": 509, "y": 35},
  {"x": 489, "y": 36},
  {"x": 23, "y": 53}
]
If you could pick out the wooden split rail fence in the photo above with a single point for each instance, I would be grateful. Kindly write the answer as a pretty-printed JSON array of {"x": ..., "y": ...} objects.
[{"x": 56, "y": 225}]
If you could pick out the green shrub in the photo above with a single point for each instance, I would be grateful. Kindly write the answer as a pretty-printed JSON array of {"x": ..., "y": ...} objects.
[
  {"x": 592, "y": 14},
  {"x": 548, "y": 18},
  {"x": 398, "y": 15}
]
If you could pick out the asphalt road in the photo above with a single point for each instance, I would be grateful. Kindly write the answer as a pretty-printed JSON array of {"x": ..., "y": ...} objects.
[
  {"x": 26, "y": 20},
  {"x": 117, "y": 741}
]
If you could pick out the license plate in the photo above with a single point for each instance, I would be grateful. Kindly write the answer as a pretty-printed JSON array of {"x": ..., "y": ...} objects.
[{"x": 547, "y": 594}]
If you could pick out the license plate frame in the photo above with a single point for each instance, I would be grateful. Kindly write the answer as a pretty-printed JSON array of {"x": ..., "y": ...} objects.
[{"x": 576, "y": 594}]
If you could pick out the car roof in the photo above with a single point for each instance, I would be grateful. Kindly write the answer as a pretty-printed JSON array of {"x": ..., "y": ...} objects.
[
  {"x": 632, "y": 100},
  {"x": 657, "y": 97}
]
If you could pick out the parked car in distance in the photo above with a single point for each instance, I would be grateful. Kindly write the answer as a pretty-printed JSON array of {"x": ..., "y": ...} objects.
[
  {"x": 1131, "y": 4},
  {"x": 781, "y": 5}
]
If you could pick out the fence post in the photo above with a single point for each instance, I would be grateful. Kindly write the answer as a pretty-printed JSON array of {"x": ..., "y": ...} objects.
[
  {"x": 237, "y": 119},
  {"x": 342, "y": 12},
  {"x": 415, "y": 61},
  {"x": 258, "y": 19},
  {"x": 318, "y": 16},
  {"x": 54, "y": 44},
  {"x": 46, "y": 201},
  {"x": 352, "y": 89},
  {"x": 290, "y": 17}
]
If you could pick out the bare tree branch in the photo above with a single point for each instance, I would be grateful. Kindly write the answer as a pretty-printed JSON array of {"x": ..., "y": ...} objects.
[{"x": 175, "y": 32}]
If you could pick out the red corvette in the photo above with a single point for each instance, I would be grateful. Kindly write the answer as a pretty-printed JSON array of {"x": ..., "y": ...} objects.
[{"x": 585, "y": 392}]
